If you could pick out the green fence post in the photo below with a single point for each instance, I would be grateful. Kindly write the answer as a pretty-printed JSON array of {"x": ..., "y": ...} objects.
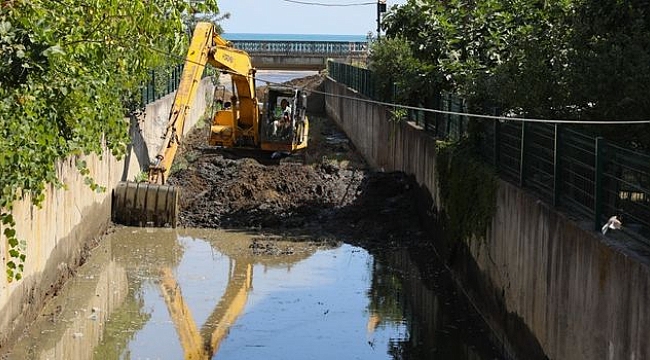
[
  {"x": 448, "y": 108},
  {"x": 365, "y": 82},
  {"x": 557, "y": 146},
  {"x": 173, "y": 76},
  {"x": 497, "y": 143},
  {"x": 178, "y": 70},
  {"x": 522, "y": 155},
  {"x": 153, "y": 84},
  {"x": 598, "y": 182},
  {"x": 438, "y": 105},
  {"x": 170, "y": 80},
  {"x": 348, "y": 75}
]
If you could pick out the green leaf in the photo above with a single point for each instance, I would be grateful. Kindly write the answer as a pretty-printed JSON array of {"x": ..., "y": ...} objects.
[
  {"x": 10, "y": 233},
  {"x": 7, "y": 219},
  {"x": 66, "y": 83}
]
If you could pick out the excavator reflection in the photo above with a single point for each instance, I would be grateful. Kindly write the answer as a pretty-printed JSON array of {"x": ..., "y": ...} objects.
[{"x": 203, "y": 342}]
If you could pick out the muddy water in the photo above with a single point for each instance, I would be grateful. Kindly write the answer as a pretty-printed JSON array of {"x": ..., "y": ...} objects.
[{"x": 208, "y": 294}]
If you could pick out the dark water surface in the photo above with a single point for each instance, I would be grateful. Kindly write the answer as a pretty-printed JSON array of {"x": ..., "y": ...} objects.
[{"x": 209, "y": 294}]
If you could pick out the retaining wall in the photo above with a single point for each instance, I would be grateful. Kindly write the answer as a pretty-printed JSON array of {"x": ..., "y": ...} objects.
[
  {"x": 549, "y": 287},
  {"x": 70, "y": 221}
]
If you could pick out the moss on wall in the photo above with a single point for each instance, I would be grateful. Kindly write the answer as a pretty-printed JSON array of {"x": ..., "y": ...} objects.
[{"x": 468, "y": 190}]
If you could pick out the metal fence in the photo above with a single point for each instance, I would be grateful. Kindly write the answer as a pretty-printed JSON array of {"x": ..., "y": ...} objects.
[
  {"x": 585, "y": 175},
  {"x": 161, "y": 83},
  {"x": 359, "y": 79}
]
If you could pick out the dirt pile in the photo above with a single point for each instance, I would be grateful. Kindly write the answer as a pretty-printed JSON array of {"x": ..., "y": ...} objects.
[
  {"x": 223, "y": 192},
  {"x": 326, "y": 191},
  {"x": 319, "y": 200}
]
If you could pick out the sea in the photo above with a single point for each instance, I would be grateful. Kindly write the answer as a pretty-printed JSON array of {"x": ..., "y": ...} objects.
[{"x": 293, "y": 37}]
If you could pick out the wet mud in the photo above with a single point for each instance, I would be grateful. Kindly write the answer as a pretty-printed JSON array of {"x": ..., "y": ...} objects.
[{"x": 325, "y": 191}]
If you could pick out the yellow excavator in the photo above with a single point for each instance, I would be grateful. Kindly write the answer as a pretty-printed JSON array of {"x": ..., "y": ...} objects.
[{"x": 240, "y": 122}]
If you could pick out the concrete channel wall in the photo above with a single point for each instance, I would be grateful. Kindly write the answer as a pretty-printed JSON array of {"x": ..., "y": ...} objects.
[
  {"x": 70, "y": 221},
  {"x": 549, "y": 287}
]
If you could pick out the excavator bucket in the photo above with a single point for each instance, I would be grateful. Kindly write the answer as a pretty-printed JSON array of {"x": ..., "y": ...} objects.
[{"x": 145, "y": 204}]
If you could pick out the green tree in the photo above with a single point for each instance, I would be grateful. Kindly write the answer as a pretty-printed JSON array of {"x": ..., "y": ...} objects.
[
  {"x": 68, "y": 69},
  {"x": 576, "y": 59},
  {"x": 609, "y": 65}
]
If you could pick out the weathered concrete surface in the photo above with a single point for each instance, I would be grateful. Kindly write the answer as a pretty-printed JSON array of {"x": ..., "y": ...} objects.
[
  {"x": 153, "y": 123},
  {"x": 548, "y": 287},
  {"x": 582, "y": 297},
  {"x": 60, "y": 232}
]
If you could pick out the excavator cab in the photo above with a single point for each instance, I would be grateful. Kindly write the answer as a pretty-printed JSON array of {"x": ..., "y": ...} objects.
[
  {"x": 284, "y": 125},
  {"x": 235, "y": 123},
  {"x": 224, "y": 125}
]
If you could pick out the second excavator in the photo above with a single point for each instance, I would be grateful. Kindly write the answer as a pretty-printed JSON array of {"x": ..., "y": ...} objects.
[{"x": 240, "y": 122}]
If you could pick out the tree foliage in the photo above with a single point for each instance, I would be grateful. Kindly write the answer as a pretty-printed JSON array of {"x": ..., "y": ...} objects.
[
  {"x": 68, "y": 69},
  {"x": 577, "y": 59}
]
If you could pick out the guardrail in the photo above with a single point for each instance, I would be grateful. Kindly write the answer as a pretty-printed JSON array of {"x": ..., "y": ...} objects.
[
  {"x": 254, "y": 47},
  {"x": 586, "y": 175}
]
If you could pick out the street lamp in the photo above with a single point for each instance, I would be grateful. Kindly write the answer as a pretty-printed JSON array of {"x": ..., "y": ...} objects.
[{"x": 381, "y": 8}]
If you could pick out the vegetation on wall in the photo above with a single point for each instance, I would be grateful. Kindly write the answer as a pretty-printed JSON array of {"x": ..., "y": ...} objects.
[
  {"x": 468, "y": 190},
  {"x": 70, "y": 69}
]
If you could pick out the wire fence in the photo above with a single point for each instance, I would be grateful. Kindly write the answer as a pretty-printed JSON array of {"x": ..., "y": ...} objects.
[{"x": 585, "y": 175}]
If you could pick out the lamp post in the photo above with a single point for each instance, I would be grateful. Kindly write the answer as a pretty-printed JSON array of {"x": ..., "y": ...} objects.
[{"x": 381, "y": 8}]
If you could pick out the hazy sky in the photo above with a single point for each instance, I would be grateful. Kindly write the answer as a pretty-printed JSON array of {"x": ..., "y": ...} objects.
[{"x": 285, "y": 17}]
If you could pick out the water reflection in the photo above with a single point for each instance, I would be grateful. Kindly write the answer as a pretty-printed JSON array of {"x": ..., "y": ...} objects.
[
  {"x": 206, "y": 294},
  {"x": 412, "y": 287}
]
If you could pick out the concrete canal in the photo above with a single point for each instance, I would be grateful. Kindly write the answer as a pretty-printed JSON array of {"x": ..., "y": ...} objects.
[
  {"x": 314, "y": 256},
  {"x": 216, "y": 294}
]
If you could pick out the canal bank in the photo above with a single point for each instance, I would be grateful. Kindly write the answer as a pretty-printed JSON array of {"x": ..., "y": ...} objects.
[
  {"x": 549, "y": 286},
  {"x": 71, "y": 220}
]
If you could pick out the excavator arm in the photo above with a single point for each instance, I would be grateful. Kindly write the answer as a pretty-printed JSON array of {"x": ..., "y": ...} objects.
[
  {"x": 206, "y": 47},
  {"x": 155, "y": 203}
]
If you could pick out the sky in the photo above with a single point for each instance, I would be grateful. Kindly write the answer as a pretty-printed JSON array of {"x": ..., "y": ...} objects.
[{"x": 288, "y": 17}]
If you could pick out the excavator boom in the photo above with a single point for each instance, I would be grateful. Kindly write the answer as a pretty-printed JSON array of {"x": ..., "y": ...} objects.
[
  {"x": 197, "y": 57},
  {"x": 154, "y": 202}
]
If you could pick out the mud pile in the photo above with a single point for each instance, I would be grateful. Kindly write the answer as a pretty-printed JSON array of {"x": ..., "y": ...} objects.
[
  {"x": 327, "y": 191},
  {"x": 320, "y": 200},
  {"x": 238, "y": 193}
]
